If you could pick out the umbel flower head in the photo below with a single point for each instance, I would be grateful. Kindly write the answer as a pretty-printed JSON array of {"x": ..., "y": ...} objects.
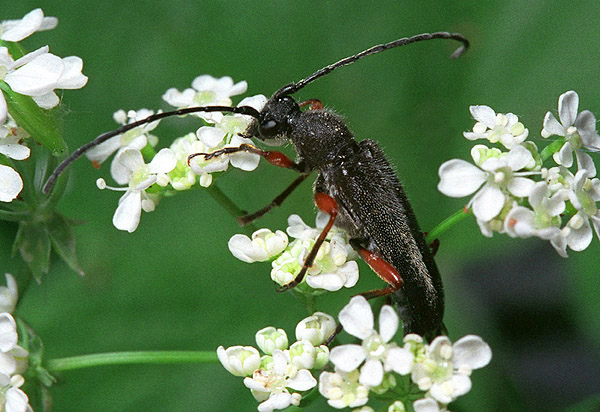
[
  {"x": 277, "y": 379},
  {"x": 515, "y": 194},
  {"x": 333, "y": 268}
]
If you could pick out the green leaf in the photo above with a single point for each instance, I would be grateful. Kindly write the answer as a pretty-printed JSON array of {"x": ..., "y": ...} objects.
[
  {"x": 39, "y": 123},
  {"x": 60, "y": 230},
  {"x": 33, "y": 243}
]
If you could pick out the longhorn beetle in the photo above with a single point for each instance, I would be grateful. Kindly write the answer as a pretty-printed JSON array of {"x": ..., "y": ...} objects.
[{"x": 355, "y": 185}]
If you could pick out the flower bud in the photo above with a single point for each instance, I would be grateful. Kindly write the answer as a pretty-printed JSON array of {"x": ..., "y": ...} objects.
[
  {"x": 315, "y": 328},
  {"x": 239, "y": 360},
  {"x": 269, "y": 339}
]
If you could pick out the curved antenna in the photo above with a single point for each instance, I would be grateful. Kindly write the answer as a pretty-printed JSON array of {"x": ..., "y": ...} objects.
[
  {"x": 294, "y": 87},
  {"x": 105, "y": 136}
]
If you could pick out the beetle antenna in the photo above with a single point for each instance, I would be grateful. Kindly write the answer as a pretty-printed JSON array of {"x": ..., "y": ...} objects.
[
  {"x": 250, "y": 111},
  {"x": 294, "y": 87}
]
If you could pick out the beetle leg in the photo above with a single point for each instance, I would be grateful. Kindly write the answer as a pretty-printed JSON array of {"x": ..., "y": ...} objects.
[
  {"x": 314, "y": 104},
  {"x": 250, "y": 217},
  {"x": 328, "y": 205},
  {"x": 275, "y": 158}
]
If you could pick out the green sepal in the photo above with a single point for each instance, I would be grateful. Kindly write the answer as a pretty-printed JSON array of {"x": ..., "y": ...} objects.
[
  {"x": 60, "y": 230},
  {"x": 39, "y": 123},
  {"x": 33, "y": 243}
]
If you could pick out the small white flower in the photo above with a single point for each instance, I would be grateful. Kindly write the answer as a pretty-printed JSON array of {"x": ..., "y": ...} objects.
[
  {"x": 446, "y": 368},
  {"x": 497, "y": 175},
  {"x": 11, "y": 137},
  {"x": 270, "y": 384},
  {"x": 38, "y": 74},
  {"x": 269, "y": 339},
  {"x": 9, "y": 294},
  {"x": 263, "y": 246},
  {"x": 239, "y": 360},
  {"x": 343, "y": 389},
  {"x": 303, "y": 354},
  {"x": 584, "y": 194},
  {"x": 503, "y": 128},
  {"x": 206, "y": 91},
  {"x": 316, "y": 328},
  {"x": 139, "y": 176},
  {"x": 11, "y": 184},
  {"x": 543, "y": 220},
  {"x": 13, "y": 399},
  {"x": 8, "y": 332},
  {"x": 376, "y": 352},
  {"x": 136, "y": 138},
  {"x": 333, "y": 267},
  {"x": 579, "y": 130},
  {"x": 17, "y": 30},
  {"x": 427, "y": 405}
]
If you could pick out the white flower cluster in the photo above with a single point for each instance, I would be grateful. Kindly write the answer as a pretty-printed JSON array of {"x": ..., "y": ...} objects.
[
  {"x": 36, "y": 74},
  {"x": 145, "y": 183},
  {"x": 13, "y": 358},
  {"x": 277, "y": 378},
  {"x": 439, "y": 369},
  {"x": 333, "y": 268},
  {"x": 507, "y": 198}
]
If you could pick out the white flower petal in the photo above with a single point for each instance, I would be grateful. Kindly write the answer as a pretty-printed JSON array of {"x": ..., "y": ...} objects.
[
  {"x": 484, "y": 114},
  {"x": 585, "y": 161},
  {"x": 47, "y": 101},
  {"x": 303, "y": 381},
  {"x": 128, "y": 213},
  {"x": 371, "y": 373},
  {"x": 564, "y": 156},
  {"x": 163, "y": 162},
  {"x": 8, "y": 332},
  {"x": 71, "y": 77},
  {"x": 579, "y": 239},
  {"x": 552, "y": 127},
  {"x": 399, "y": 360},
  {"x": 3, "y": 109},
  {"x": 471, "y": 351},
  {"x": 11, "y": 184},
  {"x": 426, "y": 405},
  {"x": 518, "y": 158},
  {"x": 445, "y": 392},
  {"x": 14, "y": 151},
  {"x": 37, "y": 77},
  {"x": 17, "y": 30},
  {"x": 347, "y": 357},
  {"x": 488, "y": 203},
  {"x": 276, "y": 401},
  {"x": 521, "y": 186},
  {"x": 388, "y": 323},
  {"x": 567, "y": 108},
  {"x": 131, "y": 159},
  {"x": 459, "y": 178},
  {"x": 357, "y": 317},
  {"x": 210, "y": 136}
]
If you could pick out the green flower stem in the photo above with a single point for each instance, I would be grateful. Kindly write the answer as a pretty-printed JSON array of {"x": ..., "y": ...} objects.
[
  {"x": 552, "y": 148},
  {"x": 447, "y": 224},
  {"x": 231, "y": 208},
  {"x": 130, "y": 358}
]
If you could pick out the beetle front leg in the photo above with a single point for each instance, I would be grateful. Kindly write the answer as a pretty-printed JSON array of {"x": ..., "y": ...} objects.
[{"x": 275, "y": 158}]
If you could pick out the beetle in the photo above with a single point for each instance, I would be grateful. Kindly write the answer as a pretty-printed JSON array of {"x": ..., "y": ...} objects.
[{"x": 356, "y": 186}]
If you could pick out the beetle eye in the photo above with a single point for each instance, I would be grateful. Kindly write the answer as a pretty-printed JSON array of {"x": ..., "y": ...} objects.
[{"x": 268, "y": 124}]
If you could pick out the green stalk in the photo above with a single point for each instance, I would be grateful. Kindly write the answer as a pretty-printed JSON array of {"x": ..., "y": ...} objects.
[
  {"x": 447, "y": 224},
  {"x": 130, "y": 358}
]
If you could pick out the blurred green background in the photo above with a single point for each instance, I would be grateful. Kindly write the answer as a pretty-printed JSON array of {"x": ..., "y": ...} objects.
[{"x": 173, "y": 284}]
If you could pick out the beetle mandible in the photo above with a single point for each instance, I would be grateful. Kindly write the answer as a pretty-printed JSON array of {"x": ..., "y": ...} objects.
[{"x": 356, "y": 186}]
